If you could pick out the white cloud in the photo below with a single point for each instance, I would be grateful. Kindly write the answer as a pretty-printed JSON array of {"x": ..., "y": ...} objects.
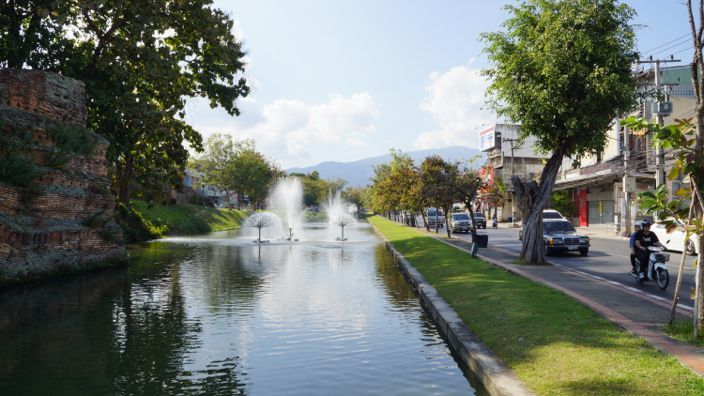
[
  {"x": 292, "y": 131},
  {"x": 456, "y": 102}
]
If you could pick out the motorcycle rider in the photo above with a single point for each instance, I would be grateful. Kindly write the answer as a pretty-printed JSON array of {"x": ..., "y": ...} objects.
[{"x": 645, "y": 239}]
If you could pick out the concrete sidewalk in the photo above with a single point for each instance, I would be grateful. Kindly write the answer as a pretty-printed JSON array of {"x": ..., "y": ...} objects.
[{"x": 629, "y": 310}]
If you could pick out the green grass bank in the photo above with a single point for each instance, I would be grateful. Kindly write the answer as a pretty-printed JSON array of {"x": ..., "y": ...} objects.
[
  {"x": 554, "y": 344},
  {"x": 143, "y": 221}
]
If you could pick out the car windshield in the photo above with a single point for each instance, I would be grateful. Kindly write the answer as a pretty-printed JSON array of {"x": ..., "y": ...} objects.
[
  {"x": 557, "y": 226},
  {"x": 478, "y": 216},
  {"x": 551, "y": 215},
  {"x": 460, "y": 216}
]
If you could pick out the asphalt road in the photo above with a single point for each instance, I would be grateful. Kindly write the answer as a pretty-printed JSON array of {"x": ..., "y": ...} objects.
[{"x": 608, "y": 259}]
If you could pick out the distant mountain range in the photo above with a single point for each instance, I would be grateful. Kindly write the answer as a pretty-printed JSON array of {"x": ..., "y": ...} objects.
[{"x": 360, "y": 172}]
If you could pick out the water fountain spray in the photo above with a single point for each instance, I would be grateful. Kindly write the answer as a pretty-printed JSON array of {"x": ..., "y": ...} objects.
[
  {"x": 260, "y": 220},
  {"x": 286, "y": 199},
  {"x": 338, "y": 214},
  {"x": 341, "y": 221}
]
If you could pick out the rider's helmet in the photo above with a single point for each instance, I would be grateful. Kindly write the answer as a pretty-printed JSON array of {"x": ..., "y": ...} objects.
[{"x": 645, "y": 223}]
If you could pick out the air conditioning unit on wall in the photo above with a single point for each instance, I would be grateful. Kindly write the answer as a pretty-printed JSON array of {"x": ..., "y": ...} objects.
[{"x": 662, "y": 108}]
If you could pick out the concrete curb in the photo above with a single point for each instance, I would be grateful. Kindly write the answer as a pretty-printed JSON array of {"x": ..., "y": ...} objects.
[{"x": 492, "y": 372}]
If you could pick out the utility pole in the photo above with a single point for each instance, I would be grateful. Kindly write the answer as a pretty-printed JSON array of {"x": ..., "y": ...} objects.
[
  {"x": 660, "y": 154},
  {"x": 626, "y": 231},
  {"x": 514, "y": 145}
]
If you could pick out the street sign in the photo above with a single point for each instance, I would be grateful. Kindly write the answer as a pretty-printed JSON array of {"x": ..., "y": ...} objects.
[{"x": 629, "y": 183}]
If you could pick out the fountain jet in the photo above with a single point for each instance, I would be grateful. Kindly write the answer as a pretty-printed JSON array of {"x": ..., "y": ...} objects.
[
  {"x": 338, "y": 214},
  {"x": 259, "y": 221},
  {"x": 286, "y": 199}
]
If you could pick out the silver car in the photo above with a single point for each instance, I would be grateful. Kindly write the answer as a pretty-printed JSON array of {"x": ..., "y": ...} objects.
[{"x": 460, "y": 222}]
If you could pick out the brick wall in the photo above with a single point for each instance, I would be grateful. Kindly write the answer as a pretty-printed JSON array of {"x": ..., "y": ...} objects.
[{"x": 69, "y": 225}]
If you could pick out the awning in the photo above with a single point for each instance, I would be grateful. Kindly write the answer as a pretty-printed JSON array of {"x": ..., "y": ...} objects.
[{"x": 597, "y": 179}]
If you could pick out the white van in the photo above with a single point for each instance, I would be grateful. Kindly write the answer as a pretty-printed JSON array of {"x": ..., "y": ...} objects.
[{"x": 431, "y": 217}]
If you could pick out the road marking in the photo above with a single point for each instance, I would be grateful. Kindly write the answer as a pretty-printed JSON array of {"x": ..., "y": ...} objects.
[
  {"x": 633, "y": 289},
  {"x": 641, "y": 293}
]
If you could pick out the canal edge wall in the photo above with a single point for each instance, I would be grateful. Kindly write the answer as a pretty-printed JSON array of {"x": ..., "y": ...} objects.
[{"x": 489, "y": 368}]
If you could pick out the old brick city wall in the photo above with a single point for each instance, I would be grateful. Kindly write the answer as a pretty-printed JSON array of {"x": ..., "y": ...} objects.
[{"x": 66, "y": 222}]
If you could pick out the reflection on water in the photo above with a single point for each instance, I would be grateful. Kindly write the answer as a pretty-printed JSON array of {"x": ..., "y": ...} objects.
[{"x": 217, "y": 315}]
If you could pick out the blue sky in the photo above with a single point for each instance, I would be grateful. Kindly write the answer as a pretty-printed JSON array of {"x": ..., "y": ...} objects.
[{"x": 344, "y": 80}]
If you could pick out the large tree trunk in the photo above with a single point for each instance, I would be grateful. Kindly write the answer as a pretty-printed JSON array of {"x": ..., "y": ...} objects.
[
  {"x": 425, "y": 220},
  {"x": 125, "y": 174},
  {"x": 698, "y": 292},
  {"x": 698, "y": 177},
  {"x": 447, "y": 223},
  {"x": 532, "y": 199}
]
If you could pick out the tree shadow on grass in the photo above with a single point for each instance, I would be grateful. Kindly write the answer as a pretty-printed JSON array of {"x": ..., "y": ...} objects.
[{"x": 601, "y": 387}]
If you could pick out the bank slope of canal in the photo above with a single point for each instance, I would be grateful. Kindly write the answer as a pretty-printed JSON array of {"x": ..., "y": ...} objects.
[
  {"x": 554, "y": 344},
  {"x": 144, "y": 221}
]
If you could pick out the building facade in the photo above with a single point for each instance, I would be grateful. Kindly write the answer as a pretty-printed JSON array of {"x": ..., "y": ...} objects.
[
  {"x": 507, "y": 155},
  {"x": 604, "y": 186}
]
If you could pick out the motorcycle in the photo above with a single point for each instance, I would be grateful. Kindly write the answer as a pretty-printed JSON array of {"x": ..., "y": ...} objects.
[{"x": 657, "y": 269}]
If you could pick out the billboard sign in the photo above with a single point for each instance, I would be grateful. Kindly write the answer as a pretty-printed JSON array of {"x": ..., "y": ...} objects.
[{"x": 489, "y": 139}]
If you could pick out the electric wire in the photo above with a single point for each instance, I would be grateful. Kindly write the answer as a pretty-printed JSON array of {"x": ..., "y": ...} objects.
[
  {"x": 669, "y": 42},
  {"x": 674, "y": 46}
]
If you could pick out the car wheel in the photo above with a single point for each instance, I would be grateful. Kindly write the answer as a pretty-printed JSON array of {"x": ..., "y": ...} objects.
[
  {"x": 691, "y": 248},
  {"x": 584, "y": 252}
]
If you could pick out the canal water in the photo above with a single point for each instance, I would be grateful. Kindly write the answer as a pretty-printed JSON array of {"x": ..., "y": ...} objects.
[{"x": 221, "y": 315}]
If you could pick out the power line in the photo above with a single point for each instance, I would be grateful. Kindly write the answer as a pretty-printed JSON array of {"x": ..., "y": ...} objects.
[
  {"x": 681, "y": 51},
  {"x": 671, "y": 41},
  {"x": 679, "y": 44}
]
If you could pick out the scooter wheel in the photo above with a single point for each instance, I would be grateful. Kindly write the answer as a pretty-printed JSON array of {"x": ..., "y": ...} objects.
[{"x": 662, "y": 277}]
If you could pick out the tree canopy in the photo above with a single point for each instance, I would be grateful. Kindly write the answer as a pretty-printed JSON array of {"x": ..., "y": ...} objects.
[
  {"x": 236, "y": 166},
  {"x": 140, "y": 62}
]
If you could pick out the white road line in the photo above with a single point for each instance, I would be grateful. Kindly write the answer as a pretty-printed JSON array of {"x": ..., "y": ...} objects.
[
  {"x": 615, "y": 283},
  {"x": 639, "y": 291}
]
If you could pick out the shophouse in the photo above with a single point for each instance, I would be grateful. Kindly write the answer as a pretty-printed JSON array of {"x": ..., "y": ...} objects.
[{"x": 603, "y": 186}]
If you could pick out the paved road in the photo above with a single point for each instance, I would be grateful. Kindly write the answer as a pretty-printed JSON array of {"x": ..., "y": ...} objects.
[{"x": 608, "y": 259}]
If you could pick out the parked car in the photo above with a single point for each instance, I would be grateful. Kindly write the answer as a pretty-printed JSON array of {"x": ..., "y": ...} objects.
[
  {"x": 460, "y": 222},
  {"x": 548, "y": 214},
  {"x": 560, "y": 236},
  {"x": 479, "y": 220},
  {"x": 674, "y": 240},
  {"x": 552, "y": 214},
  {"x": 431, "y": 217}
]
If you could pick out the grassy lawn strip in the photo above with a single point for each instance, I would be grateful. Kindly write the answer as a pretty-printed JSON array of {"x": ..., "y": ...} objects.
[
  {"x": 186, "y": 219},
  {"x": 553, "y": 343}
]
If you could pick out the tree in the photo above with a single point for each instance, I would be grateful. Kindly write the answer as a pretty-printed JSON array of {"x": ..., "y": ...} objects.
[
  {"x": 253, "y": 174},
  {"x": 439, "y": 179},
  {"x": 562, "y": 69},
  {"x": 315, "y": 189},
  {"x": 217, "y": 163},
  {"x": 140, "y": 61},
  {"x": 31, "y": 28},
  {"x": 695, "y": 158},
  {"x": 562, "y": 202},
  {"x": 381, "y": 200},
  {"x": 466, "y": 184},
  {"x": 355, "y": 196}
]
